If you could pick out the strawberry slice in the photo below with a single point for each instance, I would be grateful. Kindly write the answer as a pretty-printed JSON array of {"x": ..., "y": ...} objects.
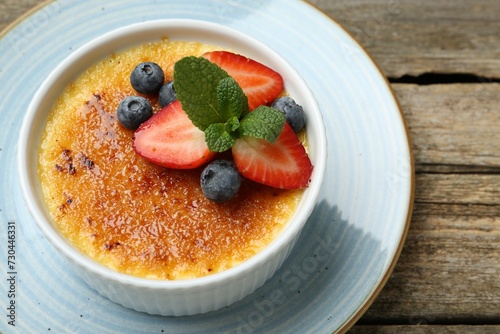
[
  {"x": 170, "y": 139},
  {"x": 261, "y": 84},
  {"x": 283, "y": 164}
]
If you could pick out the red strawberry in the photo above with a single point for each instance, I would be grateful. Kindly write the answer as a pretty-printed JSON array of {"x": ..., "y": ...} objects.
[
  {"x": 283, "y": 164},
  {"x": 260, "y": 83},
  {"x": 170, "y": 139}
]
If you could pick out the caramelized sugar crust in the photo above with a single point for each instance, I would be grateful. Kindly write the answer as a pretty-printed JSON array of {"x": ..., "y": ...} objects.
[{"x": 131, "y": 215}]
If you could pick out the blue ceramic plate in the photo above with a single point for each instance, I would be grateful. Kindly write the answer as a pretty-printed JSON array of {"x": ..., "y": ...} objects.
[{"x": 349, "y": 245}]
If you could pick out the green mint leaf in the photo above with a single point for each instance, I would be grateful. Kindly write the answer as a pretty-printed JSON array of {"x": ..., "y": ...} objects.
[
  {"x": 231, "y": 100},
  {"x": 218, "y": 139},
  {"x": 264, "y": 122},
  {"x": 232, "y": 126},
  {"x": 217, "y": 105},
  {"x": 196, "y": 80}
]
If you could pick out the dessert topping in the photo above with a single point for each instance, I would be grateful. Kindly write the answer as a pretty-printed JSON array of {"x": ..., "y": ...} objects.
[
  {"x": 220, "y": 103},
  {"x": 283, "y": 164},
  {"x": 133, "y": 111},
  {"x": 217, "y": 105},
  {"x": 260, "y": 83},
  {"x": 170, "y": 139},
  {"x": 294, "y": 113},
  {"x": 167, "y": 94},
  {"x": 220, "y": 181},
  {"x": 147, "y": 78}
]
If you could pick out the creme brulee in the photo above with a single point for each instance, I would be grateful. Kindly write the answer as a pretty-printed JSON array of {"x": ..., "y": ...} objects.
[{"x": 131, "y": 215}]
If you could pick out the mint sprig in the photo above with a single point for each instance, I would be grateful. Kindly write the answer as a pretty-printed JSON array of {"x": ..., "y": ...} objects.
[
  {"x": 264, "y": 122},
  {"x": 232, "y": 102},
  {"x": 217, "y": 105}
]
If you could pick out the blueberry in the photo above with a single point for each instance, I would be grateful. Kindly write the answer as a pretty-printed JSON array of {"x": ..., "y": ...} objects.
[
  {"x": 167, "y": 94},
  {"x": 147, "y": 78},
  {"x": 294, "y": 113},
  {"x": 220, "y": 181},
  {"x": 133, "y": 111}
]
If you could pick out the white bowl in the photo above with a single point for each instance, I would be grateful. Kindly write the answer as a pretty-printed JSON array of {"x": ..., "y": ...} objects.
[{"x": 179, "y": 297}]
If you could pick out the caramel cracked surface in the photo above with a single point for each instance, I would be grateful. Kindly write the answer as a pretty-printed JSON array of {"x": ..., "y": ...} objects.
[{"x": 131, "y": 215}]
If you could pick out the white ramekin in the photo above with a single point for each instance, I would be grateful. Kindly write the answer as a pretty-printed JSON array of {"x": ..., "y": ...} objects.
[{"x": 181, "y": 297}]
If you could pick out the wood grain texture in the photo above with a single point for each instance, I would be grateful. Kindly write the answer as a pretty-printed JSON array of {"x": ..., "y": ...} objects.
[
  {"x": 456, "y": 189},
  {"x": 415, "y": 37},
  {"x": 456, "y": 124},
  {"x": 448, "y": 270},
  {"x": 447, "y": 279}
]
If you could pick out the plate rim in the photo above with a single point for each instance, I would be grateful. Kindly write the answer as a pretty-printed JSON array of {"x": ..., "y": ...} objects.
[{"x": 378, "y": 289}]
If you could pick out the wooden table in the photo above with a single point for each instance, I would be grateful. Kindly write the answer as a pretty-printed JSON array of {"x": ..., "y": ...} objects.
[{"x": 443, "y": 61}]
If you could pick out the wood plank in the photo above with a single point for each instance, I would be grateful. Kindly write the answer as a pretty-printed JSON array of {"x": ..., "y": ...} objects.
[
  {"x": 455, "y": 124},
  {"x": 415, "y": 37},
  {"x": 449, "y": 270},
  {"x": 424, "y": 329},
  {"x": 483, "y": 189},
  {"x": 456, "y": 169}
]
